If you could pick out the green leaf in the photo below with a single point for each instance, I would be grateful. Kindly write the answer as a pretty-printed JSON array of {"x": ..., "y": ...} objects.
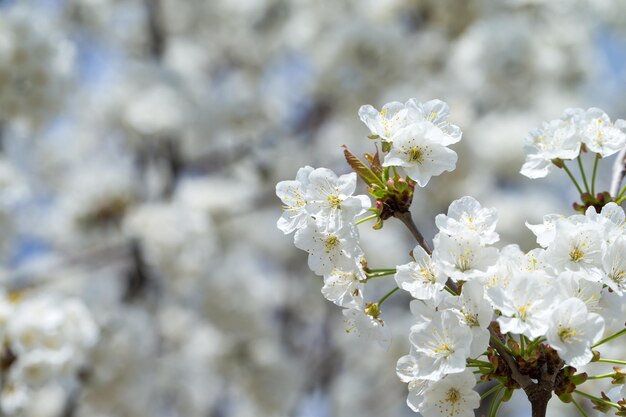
[
  {"x": 373, "y": 136},
  {"x": 361, "y": 169}
]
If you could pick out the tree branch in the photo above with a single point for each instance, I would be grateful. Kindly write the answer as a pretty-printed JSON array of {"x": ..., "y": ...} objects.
[
  {"x": 619, "y": 172},
  {"x": 523, "y": 380}
]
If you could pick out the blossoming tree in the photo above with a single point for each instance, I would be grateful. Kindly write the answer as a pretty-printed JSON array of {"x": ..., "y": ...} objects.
[{"x": 537, "y": 321}]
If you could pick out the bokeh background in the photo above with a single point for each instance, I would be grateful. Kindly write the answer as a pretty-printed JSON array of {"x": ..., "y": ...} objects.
[{"x": 141, "y": 144}]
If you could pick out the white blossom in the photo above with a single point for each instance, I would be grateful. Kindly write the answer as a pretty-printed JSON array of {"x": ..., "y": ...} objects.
[
  {"x": 462, "y": 257},
  {"x": 442, "y": 346},
  {"x": 523, "y": 304},
  {"x": 420, "y": 149},
  {"x": 363, "y": 324},
  {"x": 576, "y": 248},
  {"x": 386, "y": 122},
  {"x": 345, "y": 286},
  {"x": 293, "y": 196},
  {"x": 614, "y": 263},
  {"x": 330, "y": 201},
  {"x": 466, "y": 214},
  {"x": 599, "y": 134},
  {"x": 572, "y": 330},
  {"x": 421, "y": 278},
  {"x": 452, "y": 396},
  {"x": 327, "y": 248}
]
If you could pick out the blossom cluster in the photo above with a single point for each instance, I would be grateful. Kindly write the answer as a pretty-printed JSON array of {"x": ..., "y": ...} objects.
[
  {"x": 46, "y": 341},
  {"x": 564, "y": 138},
  {"x": 501, "y": 314},
  {"x": 419, "y": 135}
]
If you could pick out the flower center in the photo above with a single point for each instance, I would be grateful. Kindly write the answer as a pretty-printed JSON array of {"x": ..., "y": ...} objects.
[
  {"x": 453, "y": 396},
  {"x": 331, "y": 242},
  {"x": 445, "y": 349},
  {"x": 416, "y": 154},
  {"x": 566, "y": 334},
  {"x": 334, "y": 201},
  {"x": 576, "y": 254},
  {"x": 523, "y": 311}
]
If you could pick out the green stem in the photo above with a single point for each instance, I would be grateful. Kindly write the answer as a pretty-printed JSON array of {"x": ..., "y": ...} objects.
[
  {"x": 569, "y": 173},
  {"x": 534, "y": 343},
  {"x": 522, "y": 344},
  {"x": 363, "y": 220},
  {"x": 389, "y": 294},
  {"x": 612, "y": 361},
  {"x": 371, "y": 271},
  {"x": 495, "y": 404},
  {"x": 611, "y": 375},
  {"x": 377, "y": 275},
  {"x": 608, "y": 339},
  {"x": 593, "y": 176},
  {"x": 502, "y": 345},
  {"x": 621, "y": 200},
  {"x": 621, "y": 193},
  {"x": 596, "y": 399},
  {"x": 477, "y": 362},
  {"x": 580, "y": 409},
  {"x": 582, "y": 172},
  {"x": 491, "y": 391}
]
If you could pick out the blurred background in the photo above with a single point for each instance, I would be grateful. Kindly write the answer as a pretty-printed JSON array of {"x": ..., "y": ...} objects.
[{"x": 141, "y": 144}]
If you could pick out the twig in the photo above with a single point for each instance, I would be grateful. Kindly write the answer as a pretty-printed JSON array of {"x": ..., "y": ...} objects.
[{"x": 619, "y": 172}]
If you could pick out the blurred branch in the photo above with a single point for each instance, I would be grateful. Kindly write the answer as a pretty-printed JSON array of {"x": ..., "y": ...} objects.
[
  {"x": 155, "y": 29},
  {"x": 105, "y": 255},
  {"x": 619, "y": 172},
  {"x": 138, "y": 279}
]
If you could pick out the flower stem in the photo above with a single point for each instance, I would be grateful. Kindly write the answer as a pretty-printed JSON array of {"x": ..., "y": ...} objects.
[
  {"x": 389, "y": 294},
  {"x": 371, "y": 271},
  {"x": 493, "y": 389},
  {"x": 495, "y": 404},
  {"x": 582, "y": 172},
  {"x": 596, "y": 399},
  {"x": 593, "y": 176},
  {"x": 378, "y": 275},
  {"x": 621, "y": 192},
  {"x": 612, "y": 361},
  {"x": 611, "y": 375},
  {"x": 363, "y": 220},
  {"x": 580, "y": 409},
  {"x": 608, "y": 339},
  {"x": 477, "y": 362},
  {"x": 569, "y": 173},
  {"x": 534, "y": 343},
  {"x": 502, "y": 345}
]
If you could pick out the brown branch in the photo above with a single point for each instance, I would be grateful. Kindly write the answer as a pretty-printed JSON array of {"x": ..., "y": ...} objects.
[
  {"x": 405, "y": 217},
  {"x": 523, "y": 380}
]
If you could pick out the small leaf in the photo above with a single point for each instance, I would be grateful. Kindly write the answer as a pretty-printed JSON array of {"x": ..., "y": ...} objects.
[
  {"x": 361, "y": 169},
  {"x": 373, "y": 137}
]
